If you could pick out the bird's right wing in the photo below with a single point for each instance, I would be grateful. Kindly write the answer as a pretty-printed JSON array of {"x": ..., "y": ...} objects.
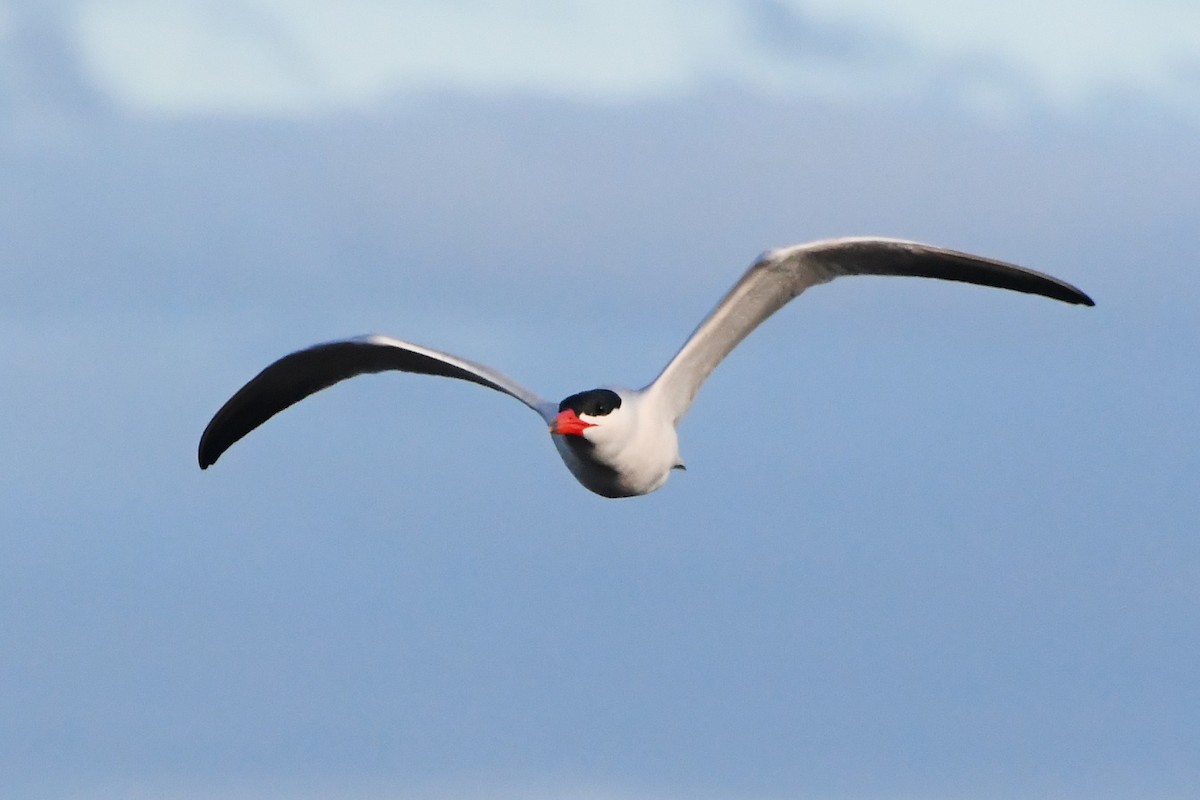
[
  {"x": 294, "y": 377},
  {"x": 780, "y": 275}
]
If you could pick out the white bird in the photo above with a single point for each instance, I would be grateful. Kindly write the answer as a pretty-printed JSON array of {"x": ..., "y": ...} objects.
[{"x": 622, "y": 442}]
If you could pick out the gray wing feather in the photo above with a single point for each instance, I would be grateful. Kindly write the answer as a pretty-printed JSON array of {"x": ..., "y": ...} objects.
[
  {"x": 294, "y": 377},
  {"x": 780, "y": 275}
]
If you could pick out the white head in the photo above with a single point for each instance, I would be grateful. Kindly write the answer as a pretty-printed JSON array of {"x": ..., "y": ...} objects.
[
  {"x": 612, "y": 444},
  {"x": 593, "y": 418}
]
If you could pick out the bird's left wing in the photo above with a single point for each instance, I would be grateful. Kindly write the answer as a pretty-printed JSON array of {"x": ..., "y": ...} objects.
[
  {"x": 780, "y": 275},
  {"x": 294, "y": 377}
]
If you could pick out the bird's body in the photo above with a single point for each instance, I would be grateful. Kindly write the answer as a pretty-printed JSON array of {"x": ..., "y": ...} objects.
[{"x": 623, "y": 442}]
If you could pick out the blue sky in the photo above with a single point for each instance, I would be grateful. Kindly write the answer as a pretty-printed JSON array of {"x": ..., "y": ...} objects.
[{"x": 933, "y": 540}]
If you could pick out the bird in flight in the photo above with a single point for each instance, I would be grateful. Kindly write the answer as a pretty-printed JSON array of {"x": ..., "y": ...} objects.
[{"x": 622, "y": 442}]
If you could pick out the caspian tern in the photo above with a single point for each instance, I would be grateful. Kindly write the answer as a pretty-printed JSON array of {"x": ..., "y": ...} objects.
[{"x": 622, "y": 442}]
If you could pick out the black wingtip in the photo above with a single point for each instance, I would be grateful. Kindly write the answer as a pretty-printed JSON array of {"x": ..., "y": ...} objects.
[
  {"x": 204, "y": 455},
  {"x": 1074, "y": 296}
]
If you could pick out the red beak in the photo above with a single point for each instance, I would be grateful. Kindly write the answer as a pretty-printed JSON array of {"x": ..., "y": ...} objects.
[{"x": 567, "y": 423}]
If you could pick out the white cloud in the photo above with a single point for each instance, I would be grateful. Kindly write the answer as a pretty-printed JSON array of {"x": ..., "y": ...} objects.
[
  {"x": 292, "y": 56},
  {"x": 280, "y": 56},
  {"x": 1071, "y": 48}
]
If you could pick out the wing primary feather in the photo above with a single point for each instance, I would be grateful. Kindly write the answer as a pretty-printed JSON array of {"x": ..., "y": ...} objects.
[
  {"x": 298, "y": 375},
  {"x": 868, "y": 256}
]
